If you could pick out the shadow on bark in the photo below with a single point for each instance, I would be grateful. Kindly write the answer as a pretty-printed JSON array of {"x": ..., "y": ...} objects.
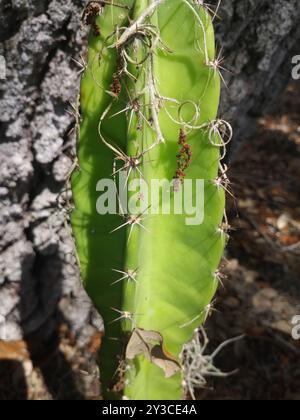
[
  {"x": 12, "y": 381},
  {"x": 43, "y": 343}
]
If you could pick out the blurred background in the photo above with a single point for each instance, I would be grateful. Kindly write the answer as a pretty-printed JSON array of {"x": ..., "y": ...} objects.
[{"x": 49, "y": 331}]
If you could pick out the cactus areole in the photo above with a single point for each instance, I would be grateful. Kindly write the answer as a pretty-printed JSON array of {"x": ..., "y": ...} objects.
[{"x": 149, "y": 190}]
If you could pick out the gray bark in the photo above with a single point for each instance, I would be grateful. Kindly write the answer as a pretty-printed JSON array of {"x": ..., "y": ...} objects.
[
  {"x": 39, "y": 279},
  {"x": 259, "y": 39}
]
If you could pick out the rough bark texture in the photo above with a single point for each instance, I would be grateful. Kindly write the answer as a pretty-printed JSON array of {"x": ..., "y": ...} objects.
[
  {"x": 259, "y": 39},
  {"x": 39, "y": 277},
  {"x": 39, "y": 280}
]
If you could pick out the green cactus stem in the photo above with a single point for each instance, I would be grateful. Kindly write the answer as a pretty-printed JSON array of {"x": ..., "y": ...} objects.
[{"x": 149, "y": 101}]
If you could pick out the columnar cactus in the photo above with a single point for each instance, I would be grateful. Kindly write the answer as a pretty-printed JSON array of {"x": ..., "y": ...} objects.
[{"x": 149, "y": 100}]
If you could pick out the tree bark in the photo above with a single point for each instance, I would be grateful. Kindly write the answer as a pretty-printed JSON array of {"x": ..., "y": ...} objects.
[
  {"x": 259, "y": 39},
  {"x": 39, "y": 279}
]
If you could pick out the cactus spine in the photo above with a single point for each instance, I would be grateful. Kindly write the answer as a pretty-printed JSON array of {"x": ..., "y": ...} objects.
[{"x": 149, "y": 100}]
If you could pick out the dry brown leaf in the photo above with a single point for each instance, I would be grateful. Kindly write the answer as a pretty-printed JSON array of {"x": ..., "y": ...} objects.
[{"x": 150, "y": 345}]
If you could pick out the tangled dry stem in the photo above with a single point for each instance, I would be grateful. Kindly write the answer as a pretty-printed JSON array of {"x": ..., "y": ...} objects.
[
  {"x": 198, "y": 366},
  {"x": 126, "y": 37}
]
